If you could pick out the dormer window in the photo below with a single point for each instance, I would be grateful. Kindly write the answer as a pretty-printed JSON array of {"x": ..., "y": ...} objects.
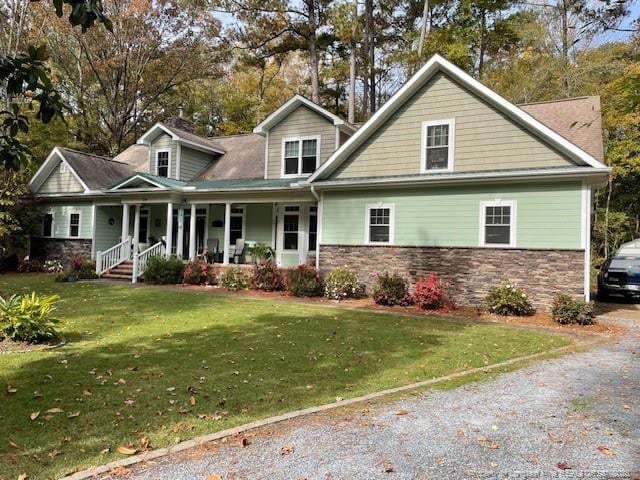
[
  {"x": 162, "y": 163},
  {"x": 437, "y": 146},
  {"x": 300, "y": 156}
]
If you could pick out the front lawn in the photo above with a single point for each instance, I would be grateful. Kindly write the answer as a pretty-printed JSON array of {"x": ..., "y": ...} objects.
[{"x": 152, "y": 365}]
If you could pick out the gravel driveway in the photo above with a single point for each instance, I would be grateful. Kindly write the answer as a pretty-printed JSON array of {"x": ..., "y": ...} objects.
[{"x": 575, "y": 417}]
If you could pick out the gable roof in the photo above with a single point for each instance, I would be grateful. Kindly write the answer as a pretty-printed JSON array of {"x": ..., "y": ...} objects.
[
  {"x": 439, "y": 64},
  {"x": 136, "y": 156},
  {"x": 292, "y": 104},
  {"x": 578, "y": 120},
  {"x": 243, "y": 158},
  {"x": 93, "y": 172},
  {"x": 153, "y": 180},
  {"x": 182, "y": 136}
]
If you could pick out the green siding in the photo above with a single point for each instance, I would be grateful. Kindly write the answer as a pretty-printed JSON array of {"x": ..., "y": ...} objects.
[
  {"x": 163, "y": 142},
  {"x": 61, "y": 182},
  {"x": 192, "y": 162},
  {"x": 61, "y": 215},
  {"x": 108, "y": 235},
  {"x": 290, "y": 260},
  {"x": 258, "y": 221},
  {"x": 548, "y": 215}
]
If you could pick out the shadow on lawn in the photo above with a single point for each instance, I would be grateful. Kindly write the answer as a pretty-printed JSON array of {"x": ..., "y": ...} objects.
[{"x": 256, "y": 368}]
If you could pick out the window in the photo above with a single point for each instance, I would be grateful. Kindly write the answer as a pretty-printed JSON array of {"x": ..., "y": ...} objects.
[
  {"x": 63, "y": 167},
  {"x": 47, "y": 225},
  {"x": 236, "y": 227},
  {"x": 437, "y": 145},
  {"x": 291, "y": 222},
  {"x": 300, "y": 155},
  {"x": 143, "y": 233},
  {"x": 379, "y": 224},
  {"x": 497, "y": 220},
  {"x": 162, "y": 163},
  {"x": 313, "y": 228},
  {"x": 74, "y": 225}
]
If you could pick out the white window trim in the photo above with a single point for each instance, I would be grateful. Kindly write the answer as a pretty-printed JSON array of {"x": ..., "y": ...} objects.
[
  {"x": 244, "y": 222},
  {"x": 72, "y": 212},
  {"x": 300, "y": 227},
  {"x": 423, "y": 145},
  {"x": 512, "y": 227},
  {"x": 309, "y": 215},
  {"x": 392, "y": 223},
  {"x": 299, "y": 139},
  {"x": 63, "y": 167},
  {"x": 53, "y": 223},
  {"x": 168, "y": 151}
]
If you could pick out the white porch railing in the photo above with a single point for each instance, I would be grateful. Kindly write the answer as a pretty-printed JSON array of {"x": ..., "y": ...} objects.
[
  {"x": 113, "y": 257},
  {"x": 140, "y": 259}
]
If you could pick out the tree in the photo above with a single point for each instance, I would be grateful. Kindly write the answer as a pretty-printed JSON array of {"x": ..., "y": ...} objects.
[{"x": 24, "y": 75}]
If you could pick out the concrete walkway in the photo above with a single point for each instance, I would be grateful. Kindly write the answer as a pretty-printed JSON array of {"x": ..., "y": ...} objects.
[{"x": 573, "y": 417}]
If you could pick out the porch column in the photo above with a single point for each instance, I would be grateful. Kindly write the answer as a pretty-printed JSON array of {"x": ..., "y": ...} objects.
[
  {"x": 136, "y": 230},
  {"x": 180, "y": 242},
  {"x": 169, "y": 239},
  {"x": 125, "y": 222},
  {"x": 227, "y": 233},
  {"x": 192, "y": 233}
]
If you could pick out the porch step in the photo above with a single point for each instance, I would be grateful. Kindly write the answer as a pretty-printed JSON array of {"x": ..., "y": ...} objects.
[
  {"x": 124, "y": 271},
  {"x": 116, "y": 276}
]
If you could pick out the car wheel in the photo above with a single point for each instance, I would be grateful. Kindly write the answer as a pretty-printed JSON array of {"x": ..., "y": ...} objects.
[{"x": 603, "y": 295}]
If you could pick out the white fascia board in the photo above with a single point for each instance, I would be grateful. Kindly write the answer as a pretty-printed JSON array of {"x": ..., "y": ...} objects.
[
  {"x": 47, "y": 167},
  {"x": 137, "y": 177},
  {"x": 434, "y": 65}
]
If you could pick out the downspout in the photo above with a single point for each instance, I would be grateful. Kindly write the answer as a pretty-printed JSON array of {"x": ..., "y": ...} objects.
[{"x": 319, "y": 226}]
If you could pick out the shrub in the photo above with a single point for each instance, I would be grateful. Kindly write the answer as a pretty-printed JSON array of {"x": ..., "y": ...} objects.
[
  {"x": 341, "y": 283},
  {"x": 509, "y": 299},
  {"x": 28, "y": 318},
  {"x": 267, "y": 277},
  {"x": 304, "y": 281},
  {"x": 567, "y": 311},
  {"x": 27, "y": 265},
  {"x": 196, "y": 273},
  {"x": 77, "y": 262},
  {"x": 87, "y": 270},
  {"x": 163, "y": 271},
  {"x": 53, "y": 266},
  {"x": 431, "y": 293},
  {"x": 261, "y": 252},
  {"x": 390, "y": 289},
  {"x": 234, "y": 279},
  {"x": 68, "y": 276}
]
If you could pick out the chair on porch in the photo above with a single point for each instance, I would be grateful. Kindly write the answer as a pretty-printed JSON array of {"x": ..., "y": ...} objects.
[
  {"x": 213, "y": 249},
  {"x": 238, "y": 251}
]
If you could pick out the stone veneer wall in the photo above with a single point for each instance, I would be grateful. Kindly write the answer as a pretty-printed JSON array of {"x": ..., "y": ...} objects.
[
  {"x": 59, "y": 249},
  {"x": 471, "y": 271}
]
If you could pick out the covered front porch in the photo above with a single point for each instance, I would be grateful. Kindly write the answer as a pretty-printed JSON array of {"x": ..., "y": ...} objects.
[{"x": 132, "y": 231}]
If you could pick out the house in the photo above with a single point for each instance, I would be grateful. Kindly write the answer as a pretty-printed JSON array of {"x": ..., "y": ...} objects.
[{"x": 447, "y": 177}]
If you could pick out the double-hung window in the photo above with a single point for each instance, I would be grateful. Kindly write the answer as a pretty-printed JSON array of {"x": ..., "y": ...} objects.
[
  {"x": 162, "y": 163},
  {"x": 74, "y": 224},
  {"x": 437, "y": 146},
  {"x": 498, "y": 224},
  {"x": 379, "y": 224},
  {"x": 313, "y": 228},
  {"x": 236, "y": 226},
  {"x": 47, "y": 225},
  {"x": 291, "y": 227},
  {"x": 300, "y": 156}
]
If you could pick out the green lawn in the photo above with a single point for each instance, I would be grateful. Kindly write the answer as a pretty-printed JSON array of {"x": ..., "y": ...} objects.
[{"x": 134, "y": 354}]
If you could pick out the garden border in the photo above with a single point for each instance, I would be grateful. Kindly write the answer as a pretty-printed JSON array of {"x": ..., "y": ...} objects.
[{"x": 200, "y": 440}]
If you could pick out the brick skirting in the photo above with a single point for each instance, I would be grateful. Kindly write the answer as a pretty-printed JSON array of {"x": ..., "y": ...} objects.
[
  {"x": 59, "y": 249},
  {"x": 471, "y": 271}
]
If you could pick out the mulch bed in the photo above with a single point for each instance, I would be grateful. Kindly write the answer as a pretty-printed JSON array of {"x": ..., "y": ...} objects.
[
  {"x": 538, "y": 320},
  {"x": 9, "y": 346}
]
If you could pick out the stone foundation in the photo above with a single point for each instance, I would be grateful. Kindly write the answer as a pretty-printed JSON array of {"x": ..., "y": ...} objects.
[
  {"x": 62, "y": 249},
  {"x": 470, "y": 271}
]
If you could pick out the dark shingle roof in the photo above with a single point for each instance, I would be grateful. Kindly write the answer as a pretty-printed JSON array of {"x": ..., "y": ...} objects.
[
  {"x": 96, "y": 172},
  {"x": 136, "y": 156},
  {"x": 243, "y": 158},
  {"x": 207, "y": 142},
  {"x": 576, "y": 119}
]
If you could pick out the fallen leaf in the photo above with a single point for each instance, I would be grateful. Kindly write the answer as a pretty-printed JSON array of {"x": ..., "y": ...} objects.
[
  {"x": 626, "y": 407},
  {"x": 245, "y": 441},
  {"x": 387, "y": 467},
  {"x": 563, "y": 466},
  {"x": 171, "y": 389},
  {"x": 145, "y": 443},
  {"x": 402, "y": 411},
  {"x": 34, "y": 415},
  {"x": 120, "y": 471},
  {"x": 55, "y": 410},
  {"x": 23, "y": 476},
  {"x": 287, "y": 449},
  {"x": 215, "y": 476},
  {"x": 606, "y": 451},
  {"x": 73, "y": 415},
  {"x": 54, "y": 453},
  {"x": 127, "y": 450},
  {"x": 86, "y": 392},
  {"x": 192, "y": 400},
  {"x": 15, "y": 445},
  {"x": 11, "y": 390},
  {"x": 104, "y": 450}
]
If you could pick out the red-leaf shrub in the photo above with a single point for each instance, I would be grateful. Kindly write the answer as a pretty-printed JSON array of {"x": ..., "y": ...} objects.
[
  {"x": 431, "y": 293},
  {"x": 267, "y": 277},
  {"x": 304, "y": 281},
  {"x": 198, "y": 272}
]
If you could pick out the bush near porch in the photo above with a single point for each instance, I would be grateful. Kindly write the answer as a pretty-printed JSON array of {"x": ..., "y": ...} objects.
[{"x": 147, "y": 368}]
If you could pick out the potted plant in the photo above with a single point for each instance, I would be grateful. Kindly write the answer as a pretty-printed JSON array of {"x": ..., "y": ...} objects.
[{"x": 261, "y": 252}]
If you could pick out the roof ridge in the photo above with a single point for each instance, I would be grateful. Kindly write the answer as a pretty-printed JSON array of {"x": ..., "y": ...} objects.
[
  {"x": 102, "y": 157},
  {"x": 568, "y": 99}
]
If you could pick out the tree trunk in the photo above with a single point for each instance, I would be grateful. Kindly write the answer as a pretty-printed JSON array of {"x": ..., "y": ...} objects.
[
  {"x": 483, "y": 31},
  {"x": 351, "y": 115},
  {"x": 313, "y": 52},
  {"x": 424, "y": 30},
  {"x": 371, "y": 55},
  {"x": 564, "y": 26}
]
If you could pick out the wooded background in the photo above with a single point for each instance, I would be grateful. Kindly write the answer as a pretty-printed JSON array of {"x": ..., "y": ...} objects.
[{"x": 225, "y": 64}]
